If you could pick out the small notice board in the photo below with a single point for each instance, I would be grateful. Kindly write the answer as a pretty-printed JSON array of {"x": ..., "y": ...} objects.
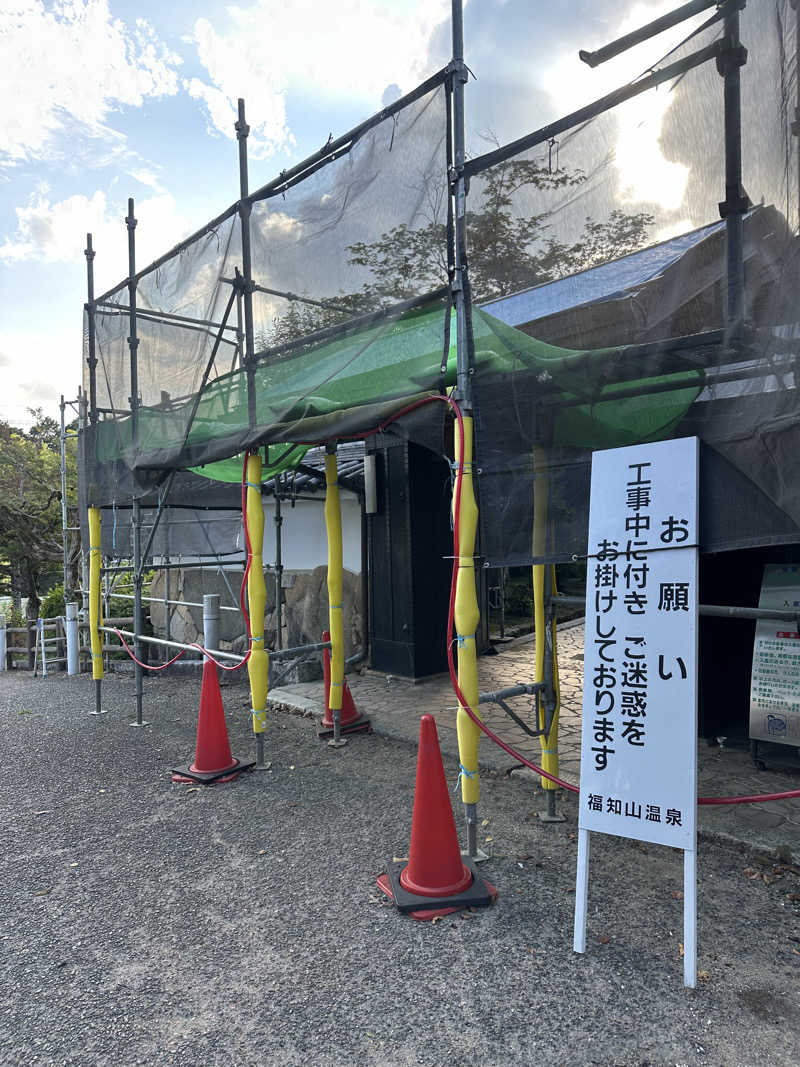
[
  {"x": 639, "y": 729},
  {"x": 775, "y": 681}
]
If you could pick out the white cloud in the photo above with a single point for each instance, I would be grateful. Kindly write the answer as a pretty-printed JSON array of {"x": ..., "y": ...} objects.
[
  {"x": 352, "y": 49},
  {"x": 56, "y": 232},
  {"x": 71, "y": 62},
  {"x": 39, "y": 366},
  {"x": 146, "y": 177}
]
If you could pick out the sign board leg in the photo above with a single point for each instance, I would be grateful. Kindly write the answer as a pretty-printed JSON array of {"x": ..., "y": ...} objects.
[
  {"x": 690, "y": 918},
  {"x": 581, "y": 891}
]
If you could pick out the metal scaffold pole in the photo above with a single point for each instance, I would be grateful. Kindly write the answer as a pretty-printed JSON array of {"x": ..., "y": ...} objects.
[
  {"x": 136, "y": 516},
  {"x": 333, "y": 527},
  {"x": 733, "y": 208},
  {"x": 82, "y": 423},
  {"x": 545, "y": 642},
  {"x": 95, "y": 551},
  {"x": 136, "y": 519},
  {"x": 258, "y": 663},
  {"x": 795, "y": 127},
  {"x": 64, "y": 530},
  {"x": 91, "y": 358},
  {"x": 133, "y": 339},
  {"x": 245, "y": 210},
  {"x": 467, "y": 615},
  {"x": 278, "y": 565},
  {"x": 95, "y": 605}
]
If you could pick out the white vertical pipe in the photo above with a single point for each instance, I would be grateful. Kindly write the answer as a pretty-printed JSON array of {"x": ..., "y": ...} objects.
[
  {"x": 71, "y": 627},
  {"x": 690, "y": 918},
  {"x": 2, "y": 642},
  {"x": 581, "y": 891},
  {"x": 40, "y": 628},
  {"x": 211, "y": 614}
]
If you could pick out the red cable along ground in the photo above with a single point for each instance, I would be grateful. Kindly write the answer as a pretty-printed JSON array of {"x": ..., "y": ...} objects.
[{"x": 791, "y": 794}]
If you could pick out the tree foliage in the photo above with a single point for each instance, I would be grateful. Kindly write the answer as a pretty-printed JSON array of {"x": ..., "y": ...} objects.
[
  {"x": 31, "y": 551},
  {"x": 509, "y": 250}
]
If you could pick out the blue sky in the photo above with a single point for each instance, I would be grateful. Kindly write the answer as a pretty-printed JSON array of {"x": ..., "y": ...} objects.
[{"x": 104, "y": 99}]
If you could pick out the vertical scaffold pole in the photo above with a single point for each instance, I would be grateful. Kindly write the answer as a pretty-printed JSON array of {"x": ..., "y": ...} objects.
[
  {"x": 735, "y": 205},
  {"x": 95, "y": 609},
  {"x": 333, "y": 527},
  {"x": 796, "y": 123},
  {"x": 82, "y": 453},
  {"x": 545, "y": 649},
  {"x": 278, "y": 564},
  {"x": 245, "y": 210},
  {"x": 64, "y": 531},
  {"x": 136, "y": 515},
  {"x": 467, "y": 616},
  {"x": 138, "y": 567},
  {"x": 95, "y": 530},
  {"x": 258, "y": 664},
  {"x": 91, "y": 356},
  {"x": 133, "y": 339}
]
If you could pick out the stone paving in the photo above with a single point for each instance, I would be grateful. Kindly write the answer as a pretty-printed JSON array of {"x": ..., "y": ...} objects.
[{"x": 395, "y": 706}]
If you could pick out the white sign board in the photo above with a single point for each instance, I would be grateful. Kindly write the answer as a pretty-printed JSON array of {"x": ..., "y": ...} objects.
[
  {"x": 775, "y": 681},
  {"x": 639, "y": 729}
]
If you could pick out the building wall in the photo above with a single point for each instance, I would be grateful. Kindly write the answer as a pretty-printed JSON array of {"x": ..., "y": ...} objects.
[{"x": 304, "y": 544}]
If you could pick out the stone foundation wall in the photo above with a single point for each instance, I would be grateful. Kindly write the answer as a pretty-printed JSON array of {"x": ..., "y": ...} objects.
[{"x": 305, "y": 612}]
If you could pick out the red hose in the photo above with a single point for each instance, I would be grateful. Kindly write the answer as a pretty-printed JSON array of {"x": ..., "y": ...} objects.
[
  {"x": 146, "y": 666},
  {"x": 791, "y": 794}
]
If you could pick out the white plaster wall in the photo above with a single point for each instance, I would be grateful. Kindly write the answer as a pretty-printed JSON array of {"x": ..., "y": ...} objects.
[{"x": 304, "y": 544}]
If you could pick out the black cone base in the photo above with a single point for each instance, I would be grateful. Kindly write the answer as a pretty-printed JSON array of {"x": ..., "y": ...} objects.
[
  {"x": 358, "y": 726},
  {"x": 480, "y": 894},
  {"x": 186, "y": 774}
]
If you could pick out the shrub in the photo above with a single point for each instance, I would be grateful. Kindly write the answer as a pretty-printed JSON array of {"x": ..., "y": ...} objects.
[{"x": 53, "y": 603}]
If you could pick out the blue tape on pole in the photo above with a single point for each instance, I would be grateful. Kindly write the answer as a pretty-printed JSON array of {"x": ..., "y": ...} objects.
[{"x": 463, "y": 773}]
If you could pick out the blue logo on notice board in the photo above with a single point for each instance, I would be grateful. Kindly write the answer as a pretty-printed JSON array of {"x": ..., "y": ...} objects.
[{"x": 776, "y": 725}]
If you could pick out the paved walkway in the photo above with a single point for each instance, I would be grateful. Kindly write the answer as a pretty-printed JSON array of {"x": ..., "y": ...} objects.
[{"x": 395, "y": 706}]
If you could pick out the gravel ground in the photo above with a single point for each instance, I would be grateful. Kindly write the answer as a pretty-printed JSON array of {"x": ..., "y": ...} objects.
[{"x": 150, "y": 923}]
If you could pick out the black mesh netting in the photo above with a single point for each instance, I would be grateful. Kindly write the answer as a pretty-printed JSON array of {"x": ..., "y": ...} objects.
[
  {"x": 598, "y": 266},
  {"x": 643, "y": 322}
]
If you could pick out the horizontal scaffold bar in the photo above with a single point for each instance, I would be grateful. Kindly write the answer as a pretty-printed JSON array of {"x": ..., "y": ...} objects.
[
  {"x": 282, "y": 653},
  {"x": 233, "y": 564},
  {"x": 590, "y": 111},
  {"x": 522, "y": 689},
  {"x": 644, "y": 33},
  {"x": 160, "y": 600},
  {"x": 289, "y": 177},
  {"x": 169, "y": 316},
  {"x": 723, "y": 611}
]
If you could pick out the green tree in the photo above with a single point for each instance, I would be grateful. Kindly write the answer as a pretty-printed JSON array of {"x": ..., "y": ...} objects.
[
  {"x": 31, "y": 551},
  {"x": 509, "y": 249}
]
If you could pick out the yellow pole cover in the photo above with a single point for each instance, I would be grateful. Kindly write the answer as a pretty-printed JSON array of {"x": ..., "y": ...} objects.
[
  {"x": 467, "y": 617},
  {"x": 258, "y": 664},
  {"x": 333, "y": 526},
  {"x": 95, "y": 609}
]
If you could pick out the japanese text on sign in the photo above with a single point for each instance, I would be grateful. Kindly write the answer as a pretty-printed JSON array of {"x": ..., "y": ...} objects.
[{"x": 639, "y": 725}]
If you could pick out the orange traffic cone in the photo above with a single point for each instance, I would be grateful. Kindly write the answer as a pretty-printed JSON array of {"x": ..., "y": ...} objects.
[
  {"x": 352, "y": 721},
  {"x": 435, "y": 874},
  {"x": 213, "y": 761}
]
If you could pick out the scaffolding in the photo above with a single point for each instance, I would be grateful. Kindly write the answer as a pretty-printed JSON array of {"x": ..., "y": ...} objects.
[{"x": 340, "y": 298}]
